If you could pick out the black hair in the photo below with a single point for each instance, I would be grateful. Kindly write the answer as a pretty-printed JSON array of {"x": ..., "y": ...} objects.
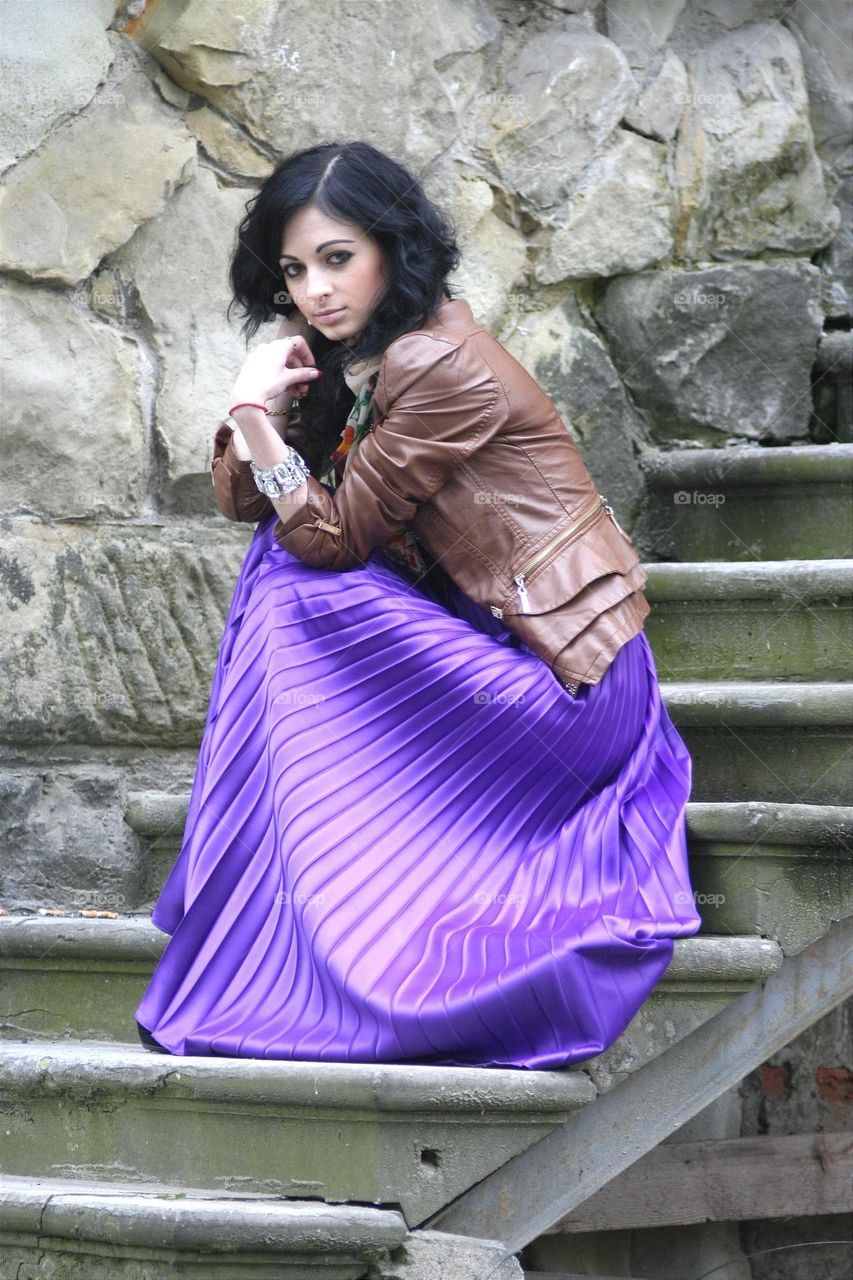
[{"x": 357, "y": 183}]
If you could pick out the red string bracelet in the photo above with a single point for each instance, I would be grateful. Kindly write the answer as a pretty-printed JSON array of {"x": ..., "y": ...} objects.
[{"x": 248, "y": 404}]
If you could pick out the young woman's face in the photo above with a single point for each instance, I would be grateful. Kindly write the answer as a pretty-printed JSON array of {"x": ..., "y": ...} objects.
[{"x": 334, "y": 267}]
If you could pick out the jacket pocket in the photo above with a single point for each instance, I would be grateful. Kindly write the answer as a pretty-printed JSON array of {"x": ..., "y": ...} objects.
[
  {"x": 578, "y": 628},
  {"x": 592, "y": 547}
]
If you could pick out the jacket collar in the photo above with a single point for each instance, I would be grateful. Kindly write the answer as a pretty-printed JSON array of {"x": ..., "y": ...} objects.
[{"x": 450, "y": 314}]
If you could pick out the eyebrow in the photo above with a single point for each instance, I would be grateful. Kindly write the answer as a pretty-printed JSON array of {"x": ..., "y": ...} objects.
[{"x": 319, "y": 249}]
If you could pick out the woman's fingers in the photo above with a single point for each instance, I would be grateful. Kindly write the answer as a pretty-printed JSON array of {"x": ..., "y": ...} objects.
[
  {"x": 299, "y": 357},
  {"x": 286, "y": 364},
  {"x": 300, "y": 353}
]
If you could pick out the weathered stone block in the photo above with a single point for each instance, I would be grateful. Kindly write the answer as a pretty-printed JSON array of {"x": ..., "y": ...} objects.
[
  {"x": 270, "y": 66},
  {"x": 620, "y": 216},
  {"x": 71, "y": 53},
  {"x": 562, "y": 96},
  {"x": 658, "y": 107},
  {"x": 494, "y": 254},
  {"x": 112, "y": 636},
  {"x": 749, "y": 175},
  {"x": 181, "y": 311},
  {"x": 57, "y": 227},
  {"x": 703, "y": 356},
  {"x": 74, "y": 444}
]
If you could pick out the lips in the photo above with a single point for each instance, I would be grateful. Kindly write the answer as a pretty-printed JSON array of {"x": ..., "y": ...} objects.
[{"x": 327, "y": 315}]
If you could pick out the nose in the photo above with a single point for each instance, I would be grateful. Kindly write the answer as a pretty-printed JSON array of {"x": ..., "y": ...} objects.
[{"x": 317, "y": 289}]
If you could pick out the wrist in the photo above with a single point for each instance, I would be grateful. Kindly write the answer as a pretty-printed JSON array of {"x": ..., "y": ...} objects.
[
  {"x": 264, "y": 443},
  {"x": 247, "y": 416},
  {"x": 242, "y": 452},
  {"x": 269, "y": 399},
  {"x": 280, "y": 405}
]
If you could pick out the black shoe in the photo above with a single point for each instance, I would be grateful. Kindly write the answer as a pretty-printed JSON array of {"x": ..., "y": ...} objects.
[{"x": 148, "y": 1041}]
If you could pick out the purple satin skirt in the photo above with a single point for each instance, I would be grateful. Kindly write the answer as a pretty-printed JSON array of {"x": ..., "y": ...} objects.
[{"x": 408, "y": 842}]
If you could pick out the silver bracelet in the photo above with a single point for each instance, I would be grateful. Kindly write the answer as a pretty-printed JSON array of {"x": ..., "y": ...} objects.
[{"x": 285, "y": 476}]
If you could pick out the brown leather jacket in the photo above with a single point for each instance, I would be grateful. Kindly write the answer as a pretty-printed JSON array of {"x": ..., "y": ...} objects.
[{"x": 469, "y": 453}]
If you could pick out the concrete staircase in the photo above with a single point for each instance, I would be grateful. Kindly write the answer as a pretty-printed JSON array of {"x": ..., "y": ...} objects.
[
  {"x": 751, "y": 623},
  {"x": 122, "y": 1163}
]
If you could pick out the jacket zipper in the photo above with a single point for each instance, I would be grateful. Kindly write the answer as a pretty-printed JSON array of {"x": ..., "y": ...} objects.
[{"x": 544, "y": 552}]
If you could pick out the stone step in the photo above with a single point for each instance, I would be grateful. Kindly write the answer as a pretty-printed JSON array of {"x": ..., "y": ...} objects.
[
  {"x": 571, "y": 1275},
  {"x": 80, "y": 979},
  {"x": 765, "y": 620},
  {"x": 747, "y": 503},
  {"x": 779, "y": 870},
  {"x": 122, "y": 1230},
  {"x": 787, "y": 743},
  {"x": 704, "y": 976},
  {"x": 404, "y": 1137}
]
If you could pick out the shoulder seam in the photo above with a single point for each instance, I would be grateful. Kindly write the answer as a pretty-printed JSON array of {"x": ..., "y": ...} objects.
[
  {"x": 449, "y": 343},
  {"x": 437, "y": 333}
]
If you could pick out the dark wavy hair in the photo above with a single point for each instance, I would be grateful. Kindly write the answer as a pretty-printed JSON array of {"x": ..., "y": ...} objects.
[{"x": 356, "y": 183}]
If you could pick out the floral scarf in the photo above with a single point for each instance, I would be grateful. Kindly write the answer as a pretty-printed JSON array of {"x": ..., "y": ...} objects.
[{"x": 361, "y": 379}]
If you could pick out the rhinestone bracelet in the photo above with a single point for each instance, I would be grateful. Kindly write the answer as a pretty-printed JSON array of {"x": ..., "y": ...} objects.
[{"x": 284, "y": 477}]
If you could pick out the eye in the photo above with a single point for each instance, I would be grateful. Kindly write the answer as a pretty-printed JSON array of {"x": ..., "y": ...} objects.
[{"x": 292, "y": 269}]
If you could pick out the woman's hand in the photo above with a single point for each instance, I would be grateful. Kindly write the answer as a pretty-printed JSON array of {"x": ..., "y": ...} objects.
[
  {"x": 281, "y": 405},
  {"x": 285, "y": 365}
]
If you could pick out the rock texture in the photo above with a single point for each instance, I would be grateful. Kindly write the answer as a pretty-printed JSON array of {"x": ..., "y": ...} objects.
[
  {"x": 71, "y": 402},
  {"x": 88, "y": 187},
  {"x": 702, "y": 356}
]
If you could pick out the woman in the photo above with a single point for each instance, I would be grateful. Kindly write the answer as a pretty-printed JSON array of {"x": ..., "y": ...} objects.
[{"x": 438, "y": 812}]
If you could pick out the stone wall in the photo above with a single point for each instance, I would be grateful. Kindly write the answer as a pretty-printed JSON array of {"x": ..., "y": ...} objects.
[{"x": 653, "y": 201}]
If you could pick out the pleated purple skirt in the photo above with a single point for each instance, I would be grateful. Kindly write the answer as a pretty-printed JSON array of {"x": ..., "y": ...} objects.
[{"x": 408, "y": 842}]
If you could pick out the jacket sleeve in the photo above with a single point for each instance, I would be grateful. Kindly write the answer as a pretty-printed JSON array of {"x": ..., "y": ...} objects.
[
  {"x": 237, "y": 495},
  {"x": 435, "y": 404}
]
